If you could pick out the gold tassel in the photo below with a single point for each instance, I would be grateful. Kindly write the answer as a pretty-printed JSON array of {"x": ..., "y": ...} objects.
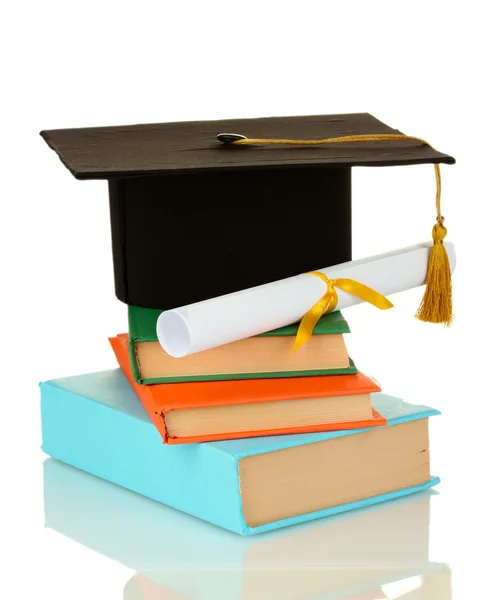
[{"x": 436, "y": 305}]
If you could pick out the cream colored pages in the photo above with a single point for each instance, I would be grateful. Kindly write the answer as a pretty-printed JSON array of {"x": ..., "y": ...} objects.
[
  {"x": 312, "y": 477},
  {"x": 266, "y": 354},
  {"x": 258, "y": 416}
]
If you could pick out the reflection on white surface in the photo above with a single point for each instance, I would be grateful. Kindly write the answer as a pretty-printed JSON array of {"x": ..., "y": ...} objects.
[
  {"x": 325, "y": 584},
  {"x": 369, "y": 554}
]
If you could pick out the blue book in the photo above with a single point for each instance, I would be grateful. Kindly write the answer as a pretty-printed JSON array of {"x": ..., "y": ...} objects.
[{"x": 96, "y": 423}]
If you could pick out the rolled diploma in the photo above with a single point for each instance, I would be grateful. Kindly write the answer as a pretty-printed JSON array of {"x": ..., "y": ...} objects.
[{"x": 210, "y": 323}]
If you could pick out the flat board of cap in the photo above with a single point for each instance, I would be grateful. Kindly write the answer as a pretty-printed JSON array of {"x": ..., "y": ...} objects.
[{"x": 187, "y": 147}]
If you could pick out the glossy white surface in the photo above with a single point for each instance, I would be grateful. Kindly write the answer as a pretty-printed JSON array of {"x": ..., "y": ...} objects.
[
  {"x": 419, "y": 66},
  {"x": 384, "y": 549}
]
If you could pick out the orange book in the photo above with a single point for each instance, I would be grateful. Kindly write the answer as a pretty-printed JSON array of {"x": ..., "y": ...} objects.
[{"x": 222, "y": 410}]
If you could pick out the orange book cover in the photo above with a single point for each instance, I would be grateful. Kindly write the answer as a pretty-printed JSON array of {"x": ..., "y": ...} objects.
[{"x": 161, "y": 398}]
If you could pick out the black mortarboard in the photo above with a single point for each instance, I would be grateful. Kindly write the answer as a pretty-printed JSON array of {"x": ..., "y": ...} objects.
[{"x": 193, "y": 218}]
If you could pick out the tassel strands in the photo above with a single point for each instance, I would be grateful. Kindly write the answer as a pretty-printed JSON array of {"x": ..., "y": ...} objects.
[{"x": 437, "y": 305}]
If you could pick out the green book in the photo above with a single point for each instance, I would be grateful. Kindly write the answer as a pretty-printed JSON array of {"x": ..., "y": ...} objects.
[{"x": 267, "y": 355}]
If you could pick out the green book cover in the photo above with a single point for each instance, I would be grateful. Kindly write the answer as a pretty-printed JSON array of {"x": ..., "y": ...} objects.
[{"x": 142, "y": 328}]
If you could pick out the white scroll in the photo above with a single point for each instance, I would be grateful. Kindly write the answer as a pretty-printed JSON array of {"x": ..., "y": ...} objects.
[{"x": 210, "y": 323}]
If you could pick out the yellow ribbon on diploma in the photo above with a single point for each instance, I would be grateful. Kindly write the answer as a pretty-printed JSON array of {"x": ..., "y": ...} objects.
[{"x": 329, "y": 300}]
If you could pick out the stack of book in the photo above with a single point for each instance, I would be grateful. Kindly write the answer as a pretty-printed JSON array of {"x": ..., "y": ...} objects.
[
  {"x": 250, "y": 388},
  {"x": 224, "y": 457},
  {"x": 245, "y": 435}
]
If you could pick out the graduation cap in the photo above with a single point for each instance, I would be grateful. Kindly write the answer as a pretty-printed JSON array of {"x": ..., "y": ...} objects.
[{"x": 203, "y": 209}]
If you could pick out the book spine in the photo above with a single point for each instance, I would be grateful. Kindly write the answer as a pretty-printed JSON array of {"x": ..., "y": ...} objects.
[
  {"x": 133, "y": 358},
  {"x": 154, "y": 411},
  {"x": 197, "y": 479}
]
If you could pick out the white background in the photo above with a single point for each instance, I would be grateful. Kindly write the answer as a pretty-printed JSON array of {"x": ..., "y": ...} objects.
[{"x": 421, "y": 67}]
